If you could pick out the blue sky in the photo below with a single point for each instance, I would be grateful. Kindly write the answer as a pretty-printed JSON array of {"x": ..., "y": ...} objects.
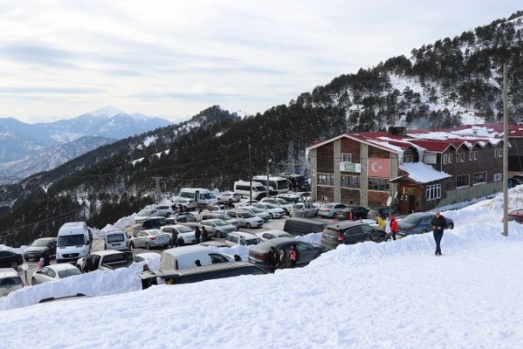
[{"x": 173, "y": 59}]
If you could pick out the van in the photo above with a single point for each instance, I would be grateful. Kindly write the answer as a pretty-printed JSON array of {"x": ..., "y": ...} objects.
[
  {"x": 208, "y": 272},
  {"x": 74, "y": 241},
  {"x": 202, "y": 197},
  {"x": 303, "y": 226},
  {"x": 244, "y": 189},
  {"x": 279, "y": 184},
  {"x": 116, "y": 240},
  {"x": 240, "y": 238},
  {"x": 186, "y": 256}
]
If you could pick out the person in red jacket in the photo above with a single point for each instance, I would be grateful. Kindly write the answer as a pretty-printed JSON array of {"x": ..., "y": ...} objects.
[{"x": 393, "y": 227}]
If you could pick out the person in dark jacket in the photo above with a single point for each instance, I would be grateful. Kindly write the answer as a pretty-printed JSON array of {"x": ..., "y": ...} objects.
[
  {"x": 439, "y": 223},
  {"x": 272, "y": 259},
  {"x": 197, "y": 234},
  {"x": 205, "y": 234},
  {"x": 174, "y": 242},
  {"x": 282, "y": 259},
  {"x": 47, "y": 258},
  {"x": 294, "y": 256}
]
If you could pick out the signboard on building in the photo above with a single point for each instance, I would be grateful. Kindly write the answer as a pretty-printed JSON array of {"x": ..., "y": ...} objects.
[
  {"x": 379, "y": 168},
  {"x": 346, "y": 166}
]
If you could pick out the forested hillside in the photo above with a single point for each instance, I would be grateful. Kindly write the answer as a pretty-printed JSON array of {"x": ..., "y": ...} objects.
[{"x": 434, "y": 88}]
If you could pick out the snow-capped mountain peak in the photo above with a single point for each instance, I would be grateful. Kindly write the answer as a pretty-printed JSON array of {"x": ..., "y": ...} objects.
[{"x": 107, "y": 112}]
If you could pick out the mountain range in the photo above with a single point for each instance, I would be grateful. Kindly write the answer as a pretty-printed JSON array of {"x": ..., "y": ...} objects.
[
  {"x": 30, "y": 148},
  {"x": 438, "y": 86}
]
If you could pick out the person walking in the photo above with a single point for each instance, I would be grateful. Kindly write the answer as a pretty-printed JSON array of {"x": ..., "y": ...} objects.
[
  {"x": 197, "y": 234},
  {"x": 439, "y": 223},
  {"x": 381, "y": 223},
  {"x": 272, "y": 259},
  {"x": 282, "y": 259},
  {"x": 47, "y": 258},
  {"x": 393, "y": 227},
  {"x": 40, "y": 264},
  {"x": 294, "y": 256},
  {"x": 205, "y": 234},
  {"x": 174, "y": 242}
]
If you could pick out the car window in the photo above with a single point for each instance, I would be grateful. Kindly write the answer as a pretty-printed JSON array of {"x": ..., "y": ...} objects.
[
  {"x": 301, "y": 246},
  {"x": 367, "y": 229},
  {"x": 268, "y": 236},
  {"x": 218, "y": 258},
  {"x": 10, "y": 282},
  {"x": 354, "y": 231},
  {"x": 51, "y": 272}
]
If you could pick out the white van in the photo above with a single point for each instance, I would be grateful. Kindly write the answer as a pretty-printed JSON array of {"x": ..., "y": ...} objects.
[
  {"x": 116, "y": 240},
  {"x": 74, "y": 241},
  {"x": 244, "y": 189},
  {"x": 201, "y": 196},
  {"x": 279, "y": 184},
  {"x": 185, "y": 257}
]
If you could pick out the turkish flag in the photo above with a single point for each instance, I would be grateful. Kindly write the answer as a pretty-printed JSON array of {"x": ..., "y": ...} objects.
[{"x": 378, "y": 168}]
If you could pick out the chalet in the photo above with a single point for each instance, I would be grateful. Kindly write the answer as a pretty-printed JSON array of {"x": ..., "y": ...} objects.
[{"x": 413, "y": 171}]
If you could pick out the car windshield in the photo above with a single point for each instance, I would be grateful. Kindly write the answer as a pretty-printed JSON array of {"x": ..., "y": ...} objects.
[
  {"x": 271, "y": 206},
  {"x": 225, "y": 217},
  {"x": 219, "y": 222},
  {"x": 208, "y": 196},
  {"x": 248, "y": 242},
  {"x": 69, "y": 272},
  {"x": 183, "y": 229},
  {"x": 71, "y": 240},
  {"x": 145, "y": 213},
  {"x": 40, "y": 243},
  {"x": 257, "y": 210},
  {"x": 246, "y": 214},
  {"x": 412, "y": 219}
]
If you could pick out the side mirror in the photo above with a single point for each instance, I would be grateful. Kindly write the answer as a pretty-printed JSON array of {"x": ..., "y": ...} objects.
[{"x": 38, "y": 272}]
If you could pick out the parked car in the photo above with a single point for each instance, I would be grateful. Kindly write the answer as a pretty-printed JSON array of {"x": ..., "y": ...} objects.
[
  {"x": 146, "y": 257},
  {"x": 206, "y": 272},
  {"x": 247, "y": 219},
  {"x": 329, "y": 210},
  {"x": 229, "y": 196},
  {"x": 304, "y": 210},
  {"x": 266, "y": 216},
  {"x": 383, "y": 211},
  {"x": 151, "y": 238},
  {"x": 218, "y": 227},
  {"x": 164, "y": 210},
  {"x": 187, "y": 204},
  {"x": 181, "y": 218},
  {"x": 104, "y": 260},
  {"x": 350, "y": 232},
  {"x": 308, "y": 252},
  {"x": 303, "y": 226},
  {"x": 281, "y": 203},
  {"x": 222, "y": 216},
  {"x": 290, "y": 198},
  {"x": 419, "y": 223},
  {"x": 149, "y": 223},
  {"x": 145, "y": 214},
  {"x": 116, "y": 240},
  {"x": 54, "y": 272},
  {"x": 39, "y": 247},
  {"x": 516, "y": 215},
  {"x": 186, "y": 234},
  {"x": 274, "y": 211},
  {"x": 10, "y": 281},
  {"x": 273, "y": 234},
  {"x": 240, "y": 238},
  {"x": 9, "y": 259},
  {"x": 352, "y": 212},
  {"x": 218, "y": 208}
]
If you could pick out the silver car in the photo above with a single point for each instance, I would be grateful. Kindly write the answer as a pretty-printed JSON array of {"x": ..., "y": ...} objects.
[
  {"x": 218, "y": 227},
  {"x": 304, "y": 210},
  {"x": 151, "y": 238},
  {"x": 54, "y": 272}
]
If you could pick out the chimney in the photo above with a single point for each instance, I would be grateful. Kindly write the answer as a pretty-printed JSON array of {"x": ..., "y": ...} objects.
[{"x": 398, "y": 130}]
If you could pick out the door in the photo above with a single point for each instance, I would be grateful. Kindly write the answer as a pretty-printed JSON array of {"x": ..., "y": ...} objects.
[{"x": 412, "y": 203}]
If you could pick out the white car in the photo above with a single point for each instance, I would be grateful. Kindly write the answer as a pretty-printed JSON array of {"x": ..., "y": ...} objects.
[
  {"x": 54, "y": 272},
  {"x": 186, "y": 203},
  {"x": 272, "y": 234},
  {"x": 247, "y": 219},
  {"x": 186, "y": 235},
  {"x": 218, "y": 227},
  {"x": 164, "y": 210},
  {"x": 146, "y": 213},
  {"x": 330, "y": 209},
  {"x": 223, "y": 216},
  {"x": 303, "y": 210},
  {"x": 228, "y": 196},
  {"x": 10, "y": 281},
  {"x": 279, "y": 203},
  {"x": 257, "y": 212},
  {"x": 150, "y": 238},
  {"x": 274, "y": 211}
]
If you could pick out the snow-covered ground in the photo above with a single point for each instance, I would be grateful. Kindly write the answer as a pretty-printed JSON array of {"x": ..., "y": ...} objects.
[{"x": 388, "y": 295}]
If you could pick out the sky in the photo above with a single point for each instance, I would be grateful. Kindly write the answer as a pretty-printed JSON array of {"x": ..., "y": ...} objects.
[
  {"x": 173, "y": 59},
  {"x": 368, "y": 295}
]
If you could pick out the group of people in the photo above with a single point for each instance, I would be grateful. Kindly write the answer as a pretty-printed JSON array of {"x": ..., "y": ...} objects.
[
  {"x": 280, "y": 259},
  {"x": 438, "y": 223}
]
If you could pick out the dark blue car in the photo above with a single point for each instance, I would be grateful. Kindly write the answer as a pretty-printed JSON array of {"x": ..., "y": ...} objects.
[{"x": 419, "y": 223}]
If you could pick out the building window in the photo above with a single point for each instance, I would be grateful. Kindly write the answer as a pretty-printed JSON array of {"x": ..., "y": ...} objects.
[
  {"x": 479, "y": 178},
  {"x": 346, "y": 157},
  {"x": 460, "y": 157},
  {"x": 445, "y": 159},
  {"x": 475, "y": 155},
  {"x": 350, "y": 181},
  {"x": 325, "y": 179},
  {"x": 379, "y": 184},
  {"x": 462, "y": 180},
  {"x": 450, "y": 158},
  {"x": 408, "y": 158},
  {"x": 433, "y": 192},
  {"x": 498, "y": 177},
  {"x": 471, "y": 155}
]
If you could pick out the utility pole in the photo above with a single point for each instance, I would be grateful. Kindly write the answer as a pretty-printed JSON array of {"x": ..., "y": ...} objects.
[
  {"x": 505, "y": 151},
  {"x": 157, "y": 192},
  {"x": 267, "y": 188},
  {"x": 250, "y": 176}
]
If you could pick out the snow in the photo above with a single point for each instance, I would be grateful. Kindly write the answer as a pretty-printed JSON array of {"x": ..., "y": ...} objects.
[
  {"x": 106, "y": 112},
  {"x": 368, "y": 295},
  {"x": 422, "y": 173}
]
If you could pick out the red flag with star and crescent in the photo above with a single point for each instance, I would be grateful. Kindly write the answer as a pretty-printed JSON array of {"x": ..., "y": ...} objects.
[{"x": 378, "y": 168}]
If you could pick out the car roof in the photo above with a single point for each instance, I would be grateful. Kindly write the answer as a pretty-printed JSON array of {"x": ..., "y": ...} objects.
[
  {"x": 46, "y": 238},
  {"x": 345, "y": 224},
  {"x": 266, "y": 245},
  {"x": 106, "y": 252},
  {"x": 62, "y": 266},
  {"x": 245, "y": 234},
  {"x": 7, "y": 272},
  {"x": 206, "y": 268}
]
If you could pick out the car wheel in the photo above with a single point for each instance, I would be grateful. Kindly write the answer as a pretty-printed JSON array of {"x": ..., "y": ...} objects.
[
  {"x": 451, "y": 226},
  {"x": 181, "y": 242},
  {"x": 380, "y": 238},
  {"x": 33, "y": 281},
  {"x": 147, "y": 246},
  {"x": 168, "y": 214},
  {"x": 248, "y": 226},
  {"x": 14, "y": 265}
]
